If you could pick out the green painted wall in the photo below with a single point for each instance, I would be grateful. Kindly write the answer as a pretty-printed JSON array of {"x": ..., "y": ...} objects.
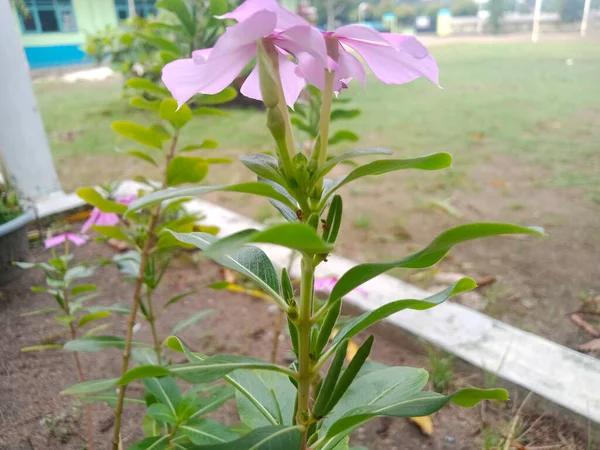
[{"x": 90, "y": 16}]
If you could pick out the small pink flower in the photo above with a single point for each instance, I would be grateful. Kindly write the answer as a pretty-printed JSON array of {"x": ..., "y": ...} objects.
[
  {"x": 98, "y": 217},
  {"x": 327, "y": 285},
  {"x": 127, "y": 200},
  {"x": 76, "y": 239}
]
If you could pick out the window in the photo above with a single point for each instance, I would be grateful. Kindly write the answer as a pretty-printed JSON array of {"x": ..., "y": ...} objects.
[
  {"x": 143, "y": 8},
  {"x": 48, "y": 16}
]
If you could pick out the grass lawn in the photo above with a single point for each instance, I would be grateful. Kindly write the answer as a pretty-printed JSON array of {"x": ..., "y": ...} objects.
[
  {"x": 519, "y": 99},
  {"x": 522, "y": 124}
]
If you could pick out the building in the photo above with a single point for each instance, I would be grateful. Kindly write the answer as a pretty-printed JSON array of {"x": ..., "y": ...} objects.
[{"x": 54, "y": 30}]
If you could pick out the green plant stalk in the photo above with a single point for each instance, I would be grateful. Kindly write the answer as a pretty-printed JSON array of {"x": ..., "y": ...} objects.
[
  {"x": 137, "y": 297},
  {"x": 304, "y": 325},
  {"x": 152, "y": 321},
  {"x": 81, "y": 373},
  {"x": 320, "y": 154}
]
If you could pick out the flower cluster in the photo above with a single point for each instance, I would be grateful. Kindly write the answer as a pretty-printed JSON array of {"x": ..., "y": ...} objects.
[{"x": 304, "y": 53}]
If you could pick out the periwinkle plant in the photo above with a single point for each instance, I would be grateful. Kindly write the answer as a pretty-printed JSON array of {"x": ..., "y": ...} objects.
[{"x": 316, "y": 402}]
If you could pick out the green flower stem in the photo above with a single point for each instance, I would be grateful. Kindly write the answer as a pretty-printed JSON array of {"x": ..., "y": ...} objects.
[
  {"x": 320, "y": 154},
  {"x": 152, "y": 320},
  {"x": 305, "y": 372},
  {"x": 137, "y": 297}
]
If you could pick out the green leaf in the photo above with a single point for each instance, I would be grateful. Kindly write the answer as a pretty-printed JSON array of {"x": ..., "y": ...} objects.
[
  {"x": 138, "y": 133},
  {"x": 334, "y": 219},
  {"x": 205, "y": 432},
  {"x": 37, "y": 312},
  {"x": 111, "y": 399},
  {"x": 142, "y": 103},
  {"x": 179, "y": 8},
  {"x": 257, "y": 406},
  {"x": 296, "y": 236},
  {"x": 92, "y": 344},
  {"x": 302, "y": 125},
  {"x": 288, "y": 211},
  {"x": 338, "y": 114},
  {"x": 226, "y": 95},
  {"x": 331, "y": 163},
  {"x": 343, "y": 135},
  {"x": 206, "y": 144},
  {"x": 93, "y": 316},
  {"x": 142, "y": 155},
  {"x": 151, "y": 443},
  {"x": 420, "y": 404},
  {"x": 37, "y": 348},
  {"x": 146, "y": 85},
  {"x": 203, "y": 111},
  {"x": 83, "y": 288},
  {"x": 265, "y": 438},
  {"x": 393, "y": 383},
  {"x": 160, "y": 43},
  {"x": 350, "y": 373},
  {"x": 77, "y": 272},
  {"x": 249, "y": 261},
  {"x": 112, "y": 232},
  {"x": 186, "y": 169},
  {"x": 177, "y": 116},
  {"x": 430, "y": 255},
  {"x": 362, "y": 322},
  {"x": 215, "y": 367},
  {"x": 162, "y": 413},
  {"x": 143, "y": 372},
  {"x": 91, "y": 196},
  {"x": 219, "y": 160},
  {"x": 91, "y": 386},
  {"x": 220, "y": 394},
  {"x": 435, "y": 161},
  {"x": 252, "y": 187},
  {"x": 191, "y": 320},
  {"x": 320, "y": 407},
  {"x": 175, "y": 299},
  {"x": 116, "y": 308},
  {"x": 165, "y": 390},
  {"x": 265, "y": 166}
]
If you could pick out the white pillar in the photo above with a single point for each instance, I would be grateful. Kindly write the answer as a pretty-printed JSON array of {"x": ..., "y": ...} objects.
[
  {"x": 585, "y": 18},
  {"x": 537, "y": 12},
  {"x": 23, "y": 143}
]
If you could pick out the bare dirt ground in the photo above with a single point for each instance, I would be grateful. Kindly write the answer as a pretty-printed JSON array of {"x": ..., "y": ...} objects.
[{"x": 34, "y": 416}]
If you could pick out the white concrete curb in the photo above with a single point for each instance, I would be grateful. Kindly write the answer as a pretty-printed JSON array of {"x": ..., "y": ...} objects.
[{"x": 555, "y": 372}]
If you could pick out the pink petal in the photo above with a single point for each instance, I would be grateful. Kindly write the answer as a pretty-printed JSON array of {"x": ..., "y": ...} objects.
[
  {"x": 299, "y": 39},
  {"x": 56, "y": 240},
  {"x": 285, "y": 18},
  {"x": 292, "y": 82},
  {"x": 325, "y": 284},
  {"x": 127, "y": 200},
  {"x": 259, "y": 25},
  {"x": 91, "y": 220},
  {"x": 107, "y": 219},
  {"x": 408, "y": 43},
  {"x": 76, "y": 239},
  {"x": 199, "y": 56},
  {"x": 313, "y": 71},
  {"x": 350, "y": 67},
  {"x": 362, "y": 33}
]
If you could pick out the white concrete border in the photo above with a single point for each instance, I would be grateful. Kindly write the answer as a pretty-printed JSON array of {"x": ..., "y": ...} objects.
[{"x": 555, "y": 372}]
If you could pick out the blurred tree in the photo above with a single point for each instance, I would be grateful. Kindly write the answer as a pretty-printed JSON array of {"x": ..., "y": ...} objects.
[
  {"x": 20, "y": 6},
  {"x": 496, "y": 14},
  {"x": 571, "y": 10},
  {"x": 406, "y": 14},
  {"x": 344, "y": 11},
  {"x": 465, "y": 8}
]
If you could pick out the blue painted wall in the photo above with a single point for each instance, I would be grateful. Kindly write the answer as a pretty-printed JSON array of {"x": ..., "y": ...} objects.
[{"x": 55, "y": 55}]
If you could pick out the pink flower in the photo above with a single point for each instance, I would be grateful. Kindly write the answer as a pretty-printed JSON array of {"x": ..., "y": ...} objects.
[
  {"x": 393, "y": 58},
  {"x": 98, "y": 217},
  {"x": 327, "y": 284},
  {"x": 57, "y": 240},
  {"x": 209, "y": 71}
]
